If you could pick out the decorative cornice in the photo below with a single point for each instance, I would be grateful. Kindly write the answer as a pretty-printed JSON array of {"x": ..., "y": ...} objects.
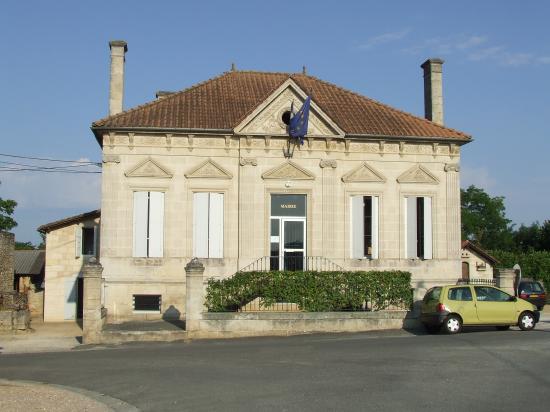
[
  {"x": 288, "y": 170},
  {"x": 417, "y": 174},
  {"x": 209, "y": 169},
  {"x": 149, "y": 168},
  {"x": 363, "y": 173},
  {"x": 107, "y": 158},
  {"x": 251, "y": 161},
  {"x": 327, "y": 163},
  {"x": 452, "y": 167}
]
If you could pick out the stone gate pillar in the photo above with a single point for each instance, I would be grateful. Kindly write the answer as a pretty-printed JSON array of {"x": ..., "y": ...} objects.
[
  {"x": 92, "y": 322},
  {"x": 506, "y": 279},
  {"x": 194, "y": 294},
  {"x": 7, "y": 242}
]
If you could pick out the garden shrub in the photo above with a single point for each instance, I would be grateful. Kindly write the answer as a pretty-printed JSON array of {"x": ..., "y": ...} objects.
[{"x": 312, "y": 291}]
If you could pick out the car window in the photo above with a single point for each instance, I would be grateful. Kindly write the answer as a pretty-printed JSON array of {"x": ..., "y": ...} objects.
[
  {"x": 462, "y": 293},
  {"x": 432, "y": 295},
  {"x": 489, "y": 294},
  {"x": 530, "y": 287}
]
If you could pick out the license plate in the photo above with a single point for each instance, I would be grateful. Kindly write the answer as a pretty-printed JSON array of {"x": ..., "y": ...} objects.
[{"x": 534, "y": 296}]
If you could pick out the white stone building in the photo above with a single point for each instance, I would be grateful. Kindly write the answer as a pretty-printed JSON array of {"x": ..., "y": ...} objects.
[
  {"x": 70, "y": 242},
  {"x": 205, "y": 172}
]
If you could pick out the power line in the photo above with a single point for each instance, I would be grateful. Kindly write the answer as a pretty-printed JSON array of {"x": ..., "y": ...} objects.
[
  {"x": 47, "y": 167},
  {"x": 6, "y": 169},
  {"x": 47, "y": 159}
]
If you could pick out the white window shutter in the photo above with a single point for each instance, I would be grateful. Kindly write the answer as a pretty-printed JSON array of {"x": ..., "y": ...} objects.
[
  {"x": 357, "y": 228},
  {"x": 140, "y": 223},
  {"x": 410, "y": 227},
  {"x": 375, "y": 214},
  {"x": 428, "y": 239},
  {"x": 156, "y": 224},
  {"x": 77, "y": 241},
  {"x": 215, "y": 226},
  {"x": 96, "y": 240},
  {"x": 200, "y": 225}
]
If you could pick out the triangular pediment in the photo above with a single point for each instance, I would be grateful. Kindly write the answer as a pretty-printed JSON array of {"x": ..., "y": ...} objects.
[
  {"x": 149, "y": 168},
  {"x": 266, "y": 119},
  {"x": 417, "y": 174},
  {"x": 288, "y": 171},
  {"x": 209, "y": 169},
  {"x": 363, "y": 173}
]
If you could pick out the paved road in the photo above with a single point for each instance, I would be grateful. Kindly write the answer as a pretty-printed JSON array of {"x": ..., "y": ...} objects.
[{"x": 383, "y": 371}]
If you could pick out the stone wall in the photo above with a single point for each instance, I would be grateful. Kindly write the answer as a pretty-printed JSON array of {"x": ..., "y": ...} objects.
[{"x": 7, "y": 242}]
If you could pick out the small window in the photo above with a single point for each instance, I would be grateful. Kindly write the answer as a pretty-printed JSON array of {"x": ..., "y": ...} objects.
[
  {"x": 463, "y": 294},
  {"x": 88, "y": 241},
  {"x": 432, "y": 295},
  {"x": 488, "y": 294},
  {"x": 147, "y": 303}
]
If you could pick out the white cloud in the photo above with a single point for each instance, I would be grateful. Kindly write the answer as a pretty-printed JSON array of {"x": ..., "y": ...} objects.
[
  {"x": 447, "y": 45},
  {"x": 383, "y": 39},
  {"x": 471, "y": 41},
  {"x": 477, "y": 176},
  {"x": 476, "y": 48}
]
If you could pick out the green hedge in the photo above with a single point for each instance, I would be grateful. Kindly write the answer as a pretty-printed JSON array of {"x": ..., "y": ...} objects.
[
  {"x": 533, "y": 264},
  {"x": 312, "y": 291}
]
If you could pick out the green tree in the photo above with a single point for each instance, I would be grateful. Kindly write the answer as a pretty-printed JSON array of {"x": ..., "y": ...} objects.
[
  {"x": 484, "y": 219},
  {"x": 528, "y": 238},
  {"x": 24, "y": 246},
  {"x": 545, "y": 236},
  {"x": 7, "y": 207}
]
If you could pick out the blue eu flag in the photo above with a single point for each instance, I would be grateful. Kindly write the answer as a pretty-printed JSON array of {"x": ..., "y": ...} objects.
[{"x": 297, "y": 127}]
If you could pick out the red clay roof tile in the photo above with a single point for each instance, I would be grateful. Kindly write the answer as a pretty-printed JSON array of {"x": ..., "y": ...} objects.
[{"x": 224, "y": 101}]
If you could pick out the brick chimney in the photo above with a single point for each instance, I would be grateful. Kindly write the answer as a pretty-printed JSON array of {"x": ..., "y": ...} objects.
[
  {"x": 433, "y": 90},
  {"x": 116, "y": 90}
]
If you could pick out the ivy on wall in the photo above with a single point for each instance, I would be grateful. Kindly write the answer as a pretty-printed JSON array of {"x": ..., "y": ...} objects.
[{"x": 312, "y": 291}]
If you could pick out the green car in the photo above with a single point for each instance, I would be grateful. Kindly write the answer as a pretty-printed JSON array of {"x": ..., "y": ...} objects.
[{"x": 452, "y": 307}]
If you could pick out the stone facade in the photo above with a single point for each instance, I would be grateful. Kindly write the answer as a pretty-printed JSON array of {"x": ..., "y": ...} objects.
[
  {"x": 64, "y": 263},
  {"x": 248, "y": 170},
  {"x": 221, "y": 149},
  {"x": 7, "y": 242},
  {"x": 478, "y": 265}
]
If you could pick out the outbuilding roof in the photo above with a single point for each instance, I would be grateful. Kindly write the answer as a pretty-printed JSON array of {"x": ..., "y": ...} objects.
[
  {"x": 48, "y": 227},
  {"x": 29, "y": 262},
  {"x": 221, "y": 103},
  {"x": 466, "y": 244}
]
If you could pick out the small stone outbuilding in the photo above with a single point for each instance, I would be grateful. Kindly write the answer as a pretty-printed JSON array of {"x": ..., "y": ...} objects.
[{"x": 476, "y": 262}]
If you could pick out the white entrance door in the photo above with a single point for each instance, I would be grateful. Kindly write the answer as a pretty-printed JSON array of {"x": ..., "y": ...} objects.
[{"x": 292, "y": 244}]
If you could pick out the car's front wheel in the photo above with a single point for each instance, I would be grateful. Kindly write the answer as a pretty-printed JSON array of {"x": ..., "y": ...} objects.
[
  {"x": 453, "y": 324},
  {"x": 526, "y": 321}
]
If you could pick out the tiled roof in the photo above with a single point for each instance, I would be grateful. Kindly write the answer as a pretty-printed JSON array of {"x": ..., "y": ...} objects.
[
  {"x": 69, "y": 221},
  {"x": 223, "y": 102},
  {"x": 29, "y": 262},
  {"x": 466, "y": 244}
]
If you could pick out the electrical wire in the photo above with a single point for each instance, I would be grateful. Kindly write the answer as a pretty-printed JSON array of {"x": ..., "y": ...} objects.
[
  {"x": 47, "y": 159},
  {"x": 25, "y": 167}
]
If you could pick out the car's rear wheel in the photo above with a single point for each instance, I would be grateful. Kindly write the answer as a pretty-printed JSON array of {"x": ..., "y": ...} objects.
[
  {"x": 526, "y": 321},
  {"x": 504, "y": 327},
  {"x": 453, "y": 324}
]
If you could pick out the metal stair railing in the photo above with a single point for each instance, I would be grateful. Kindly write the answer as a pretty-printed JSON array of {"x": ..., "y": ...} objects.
[{"x": 293, "y": 264}]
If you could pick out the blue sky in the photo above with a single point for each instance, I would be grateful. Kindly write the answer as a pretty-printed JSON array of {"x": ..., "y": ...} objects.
[{"x": 54, "y": 76}]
